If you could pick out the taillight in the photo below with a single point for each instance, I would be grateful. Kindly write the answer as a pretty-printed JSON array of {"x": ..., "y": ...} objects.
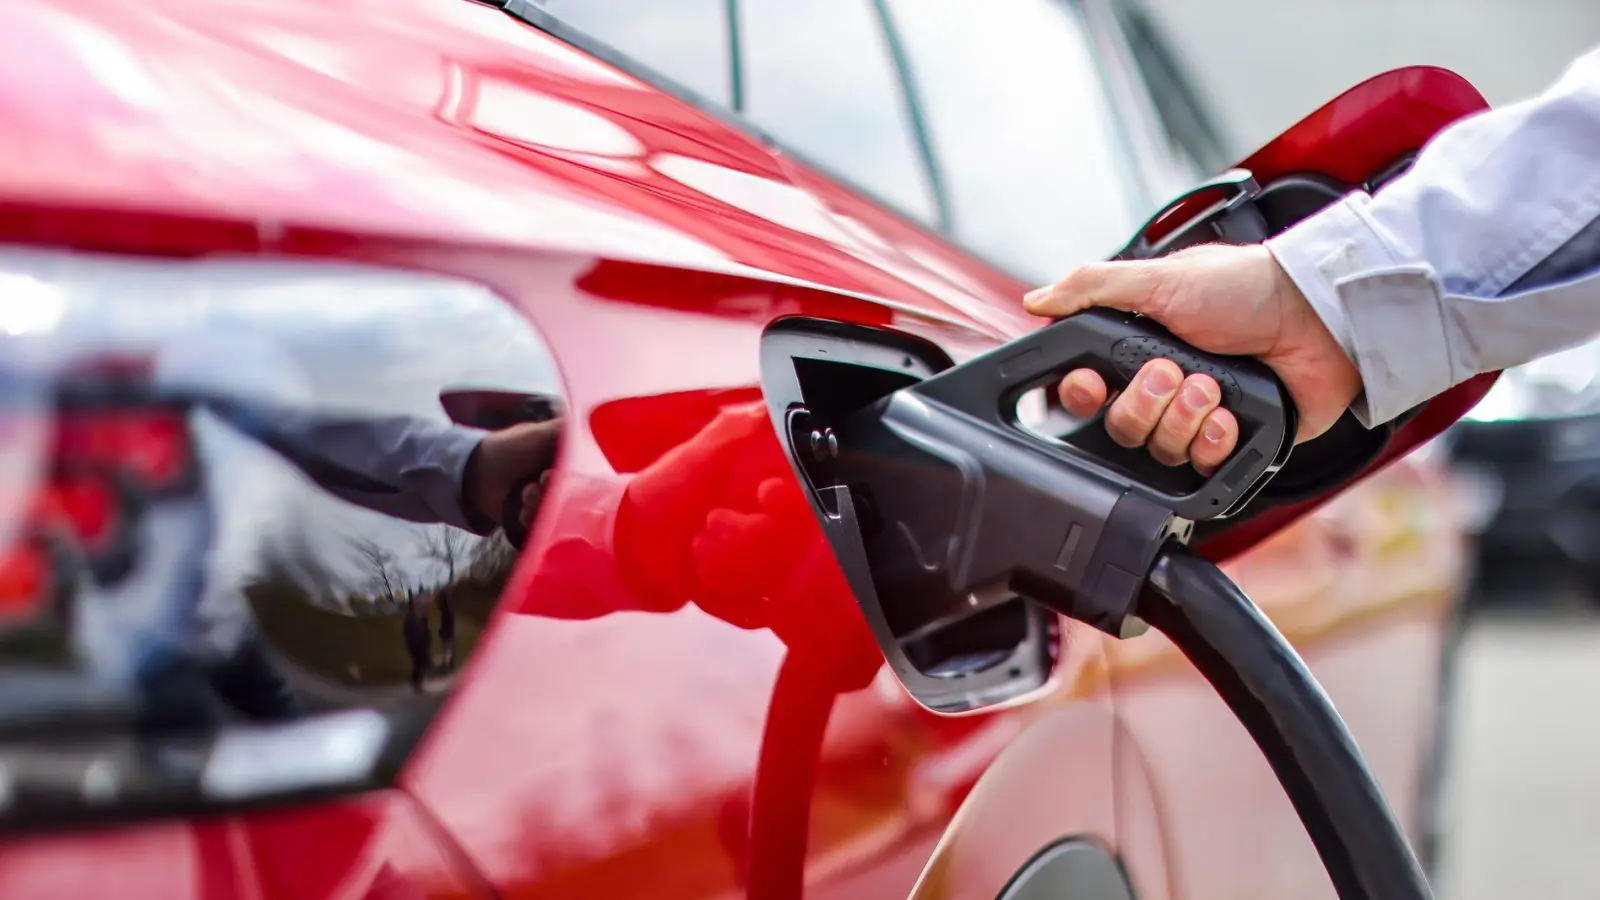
[
  {"x": 106, "y": 465},
  {"x": 24, "y": 582},
  {"x": 152, "y": 446},
  {"x": 118, "y": 445},
  {"x": 84, "y": 506},
  {"x": 91, "y": 514}
]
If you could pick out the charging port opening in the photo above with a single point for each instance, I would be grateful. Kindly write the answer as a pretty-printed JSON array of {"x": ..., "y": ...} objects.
[
  {"x": 975, "y": 644},
  {"x": 831, "y": 389},
  {"x": 815, "y": 373}
]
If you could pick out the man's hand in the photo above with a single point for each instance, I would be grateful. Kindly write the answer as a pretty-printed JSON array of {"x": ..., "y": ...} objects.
[
  {"x": 516, "y": 458},
  {"x": 1222, "y": 299}
]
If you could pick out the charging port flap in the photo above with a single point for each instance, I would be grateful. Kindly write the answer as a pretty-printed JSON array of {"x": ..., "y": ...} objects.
[{"x": 997, "y": 649}]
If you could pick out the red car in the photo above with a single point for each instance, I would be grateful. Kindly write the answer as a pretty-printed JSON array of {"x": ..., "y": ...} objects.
[{"x": 314, "y": 313}]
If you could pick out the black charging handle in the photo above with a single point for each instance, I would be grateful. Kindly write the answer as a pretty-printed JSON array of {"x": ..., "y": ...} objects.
[
  {"x": 1117, "y": 345},
  {"x": 965, "y": 508}
]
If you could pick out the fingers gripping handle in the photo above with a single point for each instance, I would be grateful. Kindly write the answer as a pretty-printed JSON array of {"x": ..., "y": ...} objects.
[
  {"x": 1130, "y": 354},
  {"x": 511, "y": 517},
  {"x": 1116, "y": 345},
  {"x": 531, "y": 409}
]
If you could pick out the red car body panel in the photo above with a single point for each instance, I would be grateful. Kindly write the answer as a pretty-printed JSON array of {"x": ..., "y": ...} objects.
[
  {"x": 611, "y": 738},
  {"x": 379, "y": 846}
]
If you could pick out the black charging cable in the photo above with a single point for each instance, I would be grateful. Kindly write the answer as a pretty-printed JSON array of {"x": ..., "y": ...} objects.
[{"x": 1268, "y": 687}]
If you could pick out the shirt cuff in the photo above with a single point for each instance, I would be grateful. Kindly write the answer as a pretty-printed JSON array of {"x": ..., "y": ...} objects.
[
  {"x": 1384, "y": 310},
  {"x": 440, "y": 478}
]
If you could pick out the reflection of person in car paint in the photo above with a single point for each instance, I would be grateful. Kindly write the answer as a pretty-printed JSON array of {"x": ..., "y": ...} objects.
[
  {"x": 742, "y": 547},
  {"x": 687, "y": 529},
  {"x": 411, "y": 468},
  {"x": 718, "y": 521},
  {"x": 418, "y": 641},
  {"x": 408, "y": 467},
  {"x": 447, "y": 630},
  {"x": 188, "y": 641}
]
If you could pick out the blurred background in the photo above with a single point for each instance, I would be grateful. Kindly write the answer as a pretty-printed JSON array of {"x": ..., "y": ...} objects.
[
  {"x": 1310, "y": 50},
  {"x": 1525, "y": 772}
]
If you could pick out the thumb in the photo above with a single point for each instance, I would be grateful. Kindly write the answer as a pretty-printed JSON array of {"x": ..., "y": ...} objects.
[{"x": 1131, "y": 286}]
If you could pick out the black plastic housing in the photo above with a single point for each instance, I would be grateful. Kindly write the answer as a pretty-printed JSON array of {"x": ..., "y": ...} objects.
[
  {"x": 815, "y": 372},
  {"x": 1271, "y": 692},
  {"x": 968, "y": 508}
]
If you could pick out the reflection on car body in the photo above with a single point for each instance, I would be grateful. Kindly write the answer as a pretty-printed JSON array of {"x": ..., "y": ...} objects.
[{"x": 241, "y": 496}]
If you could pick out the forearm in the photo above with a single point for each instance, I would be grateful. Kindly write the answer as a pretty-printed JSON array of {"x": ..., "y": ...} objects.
[
  {"x": 402, "y": 466},
  {"x": 1438, "y": 277},
  {"x": 425, "y": 460}
]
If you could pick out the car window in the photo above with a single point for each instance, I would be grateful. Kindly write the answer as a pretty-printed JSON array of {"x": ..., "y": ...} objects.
[
  {"x": 820, "y": 78},
  {"x": 1036, "y": 171},
  {"x": 685, "y": 40},
  {"x": 1193, "y": 134}
]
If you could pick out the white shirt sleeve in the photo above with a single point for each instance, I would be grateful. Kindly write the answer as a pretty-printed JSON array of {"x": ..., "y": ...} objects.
[
  {"x": 410, "y": 467},
  {"x": 403, "y": 466},
  {"x": 1427, "y": 282}
]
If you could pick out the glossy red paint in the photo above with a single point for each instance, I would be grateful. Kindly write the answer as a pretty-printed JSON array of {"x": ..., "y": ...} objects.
[
  {"x": 24, "y": 570},
  {"x": 1365, "y": 129},
  {"x": 377, "y": 847},
  {"x": 675, "y": 532},
  {"x": 677, "y": 697}
]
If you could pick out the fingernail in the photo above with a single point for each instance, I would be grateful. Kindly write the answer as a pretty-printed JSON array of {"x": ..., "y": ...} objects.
[
  {"x": 1080, "y": 395},
  {"x": 1214, "y": 431},
  {"x": 1195, "y": 397},
  {"x": 1035, "y": 295},
  {"x": 1158, "y": 382}
]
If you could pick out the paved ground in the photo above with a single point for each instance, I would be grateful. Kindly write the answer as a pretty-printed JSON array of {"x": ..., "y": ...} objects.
[{"x": 1524, "y": 798}]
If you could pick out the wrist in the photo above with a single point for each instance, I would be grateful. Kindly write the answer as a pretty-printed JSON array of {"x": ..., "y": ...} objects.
[
  {"x": 483, "y": 516},
  {"x": 1316, "y": 368}
]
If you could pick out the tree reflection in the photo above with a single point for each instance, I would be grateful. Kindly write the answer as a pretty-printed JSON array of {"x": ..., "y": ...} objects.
[{"x": 336, "y": 637}]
